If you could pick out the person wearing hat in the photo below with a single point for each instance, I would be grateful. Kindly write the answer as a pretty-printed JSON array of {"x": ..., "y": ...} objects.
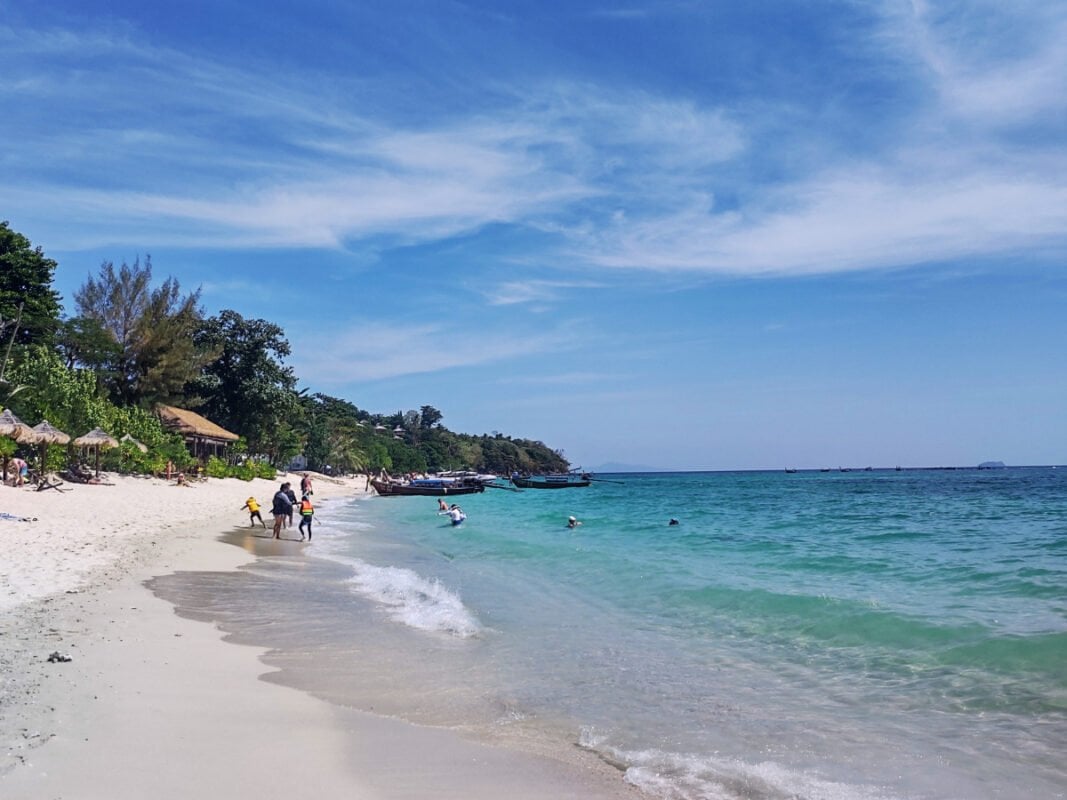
[{"x": 572, "y": 522}]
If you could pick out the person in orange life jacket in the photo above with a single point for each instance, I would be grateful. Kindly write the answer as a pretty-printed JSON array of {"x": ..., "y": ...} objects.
[{"x": 306, "y": 513}]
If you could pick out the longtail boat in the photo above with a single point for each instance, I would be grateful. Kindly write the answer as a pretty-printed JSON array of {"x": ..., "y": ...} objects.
[
  {"x": 567, "y": 481},
  {"x": 427, "y": 487}
]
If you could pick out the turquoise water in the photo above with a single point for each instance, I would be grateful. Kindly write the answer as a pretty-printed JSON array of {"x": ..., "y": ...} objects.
[{"x": 812, "y": 635}]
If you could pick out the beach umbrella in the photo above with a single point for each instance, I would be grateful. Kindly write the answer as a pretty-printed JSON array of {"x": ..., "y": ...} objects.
[
  {"x": 11, "y": 427},
  {"x": 127, "y": 438},
  {"x": 46, "y": 433},
  {"x": 98, "y": 440},
  {"x": 14, "y": 428}
]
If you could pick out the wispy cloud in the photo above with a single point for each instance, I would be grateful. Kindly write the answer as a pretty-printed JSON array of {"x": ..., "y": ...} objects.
[
  {"x": 615, "y": 176},
  {"x": 563, "y": 379},
  {"x": 532, "y": 291},
  {"x": 862, "y": 218},
  {"x": 988, "y": 62},
  {"x": 378, "y": 351}
]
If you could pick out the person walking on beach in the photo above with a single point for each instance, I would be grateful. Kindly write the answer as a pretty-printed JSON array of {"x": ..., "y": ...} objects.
[
  {"x": 305, "y": 485},
  {"x": 288, "y": 489},
  {"x": 282, "y": 508},
  {"x": 306, "y": 513},
  {"x": 253, "y": 512}
]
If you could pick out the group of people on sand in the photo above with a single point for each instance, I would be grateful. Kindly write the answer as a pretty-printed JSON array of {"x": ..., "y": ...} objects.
[{"x": 282, "y": 507}]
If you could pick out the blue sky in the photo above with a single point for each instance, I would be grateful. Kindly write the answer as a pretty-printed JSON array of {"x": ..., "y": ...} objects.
[{"x": 677, "y": 234}]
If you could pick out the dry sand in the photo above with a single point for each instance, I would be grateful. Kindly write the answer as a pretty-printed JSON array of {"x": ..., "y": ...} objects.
[{"x": 154, "y": 705}]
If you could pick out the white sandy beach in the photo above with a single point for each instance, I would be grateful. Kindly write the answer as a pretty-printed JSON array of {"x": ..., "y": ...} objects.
[{"x": 154, "y": 705}]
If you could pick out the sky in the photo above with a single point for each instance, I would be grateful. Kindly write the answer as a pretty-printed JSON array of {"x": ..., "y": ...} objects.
[{"x": 681, "y": 235}]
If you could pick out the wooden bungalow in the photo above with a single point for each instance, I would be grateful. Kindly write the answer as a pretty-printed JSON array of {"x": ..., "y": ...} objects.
[{"x": 203, "y": 437}]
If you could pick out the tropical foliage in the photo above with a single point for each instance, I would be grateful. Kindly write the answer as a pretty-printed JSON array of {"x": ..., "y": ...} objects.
[
  {"x": 26, "y": 294},
  {"x": 132, "y": 345}
]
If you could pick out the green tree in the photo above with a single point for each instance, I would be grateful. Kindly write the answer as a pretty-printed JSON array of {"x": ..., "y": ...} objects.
[
  {"x": 85, "y": 342},
  {"x": 68, "y": 398},
  {"x": 153, "y": 329},
  {"x": 247, "y": 389},
  {"x": 334, "y": 434},
  {"x": 26, "y": 280},
  {"x": 429, "y": 417}
]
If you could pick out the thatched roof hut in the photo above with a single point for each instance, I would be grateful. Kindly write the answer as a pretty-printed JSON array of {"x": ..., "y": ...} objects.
[{"x": 202, "y": 435}]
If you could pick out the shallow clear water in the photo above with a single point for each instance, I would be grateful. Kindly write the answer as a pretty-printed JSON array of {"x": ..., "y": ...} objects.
[{"x": 809, "y": 635}]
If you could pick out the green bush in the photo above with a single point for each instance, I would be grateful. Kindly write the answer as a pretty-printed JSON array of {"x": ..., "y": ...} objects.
[{"x": 216, "y": 468}]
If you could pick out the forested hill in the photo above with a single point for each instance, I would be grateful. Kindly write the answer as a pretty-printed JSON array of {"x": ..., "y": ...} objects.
[{"x": 128, "y": 343}]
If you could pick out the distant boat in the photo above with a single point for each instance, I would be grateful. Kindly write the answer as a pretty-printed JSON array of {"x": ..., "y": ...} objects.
[
  {"x": 561, "y": 481},
  {"x": 426, "y": 487},
  {"x": 824, "y": 469},
  {"x": 468, "y": 474},
  {"x": 790, "y": 470}
]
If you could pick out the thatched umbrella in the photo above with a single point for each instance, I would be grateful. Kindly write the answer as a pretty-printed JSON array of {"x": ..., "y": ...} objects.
[
  {"x": 127, "y": 438},
  {"x": 11, "y": 427},
  {"x": 47, "y": 434},
  {"x": 98, "y": 440},
  {"x": 14, "y": 428}
]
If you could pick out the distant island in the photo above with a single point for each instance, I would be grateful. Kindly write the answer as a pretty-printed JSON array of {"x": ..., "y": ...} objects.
[{"x": 992, "y": 465}]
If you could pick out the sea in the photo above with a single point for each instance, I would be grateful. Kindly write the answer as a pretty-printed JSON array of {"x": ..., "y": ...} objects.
[{"x": 844, "y": 635}]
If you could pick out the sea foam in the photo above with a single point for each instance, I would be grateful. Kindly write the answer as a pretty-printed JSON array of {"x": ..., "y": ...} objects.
[{"x": 414, "y": 600}]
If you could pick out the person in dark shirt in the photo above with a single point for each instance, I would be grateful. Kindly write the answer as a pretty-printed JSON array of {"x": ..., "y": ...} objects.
[
  {"x": 288, "y": 489},
  {"x": 282, "y": 508}
]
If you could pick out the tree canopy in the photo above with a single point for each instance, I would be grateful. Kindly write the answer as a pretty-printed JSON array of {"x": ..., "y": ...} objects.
[
  {"x": 156, "y": 354},
  {"x": 26, "y": 281},
  {"x": 246, "y": 387},
  {"x": 133, "y": 345}
]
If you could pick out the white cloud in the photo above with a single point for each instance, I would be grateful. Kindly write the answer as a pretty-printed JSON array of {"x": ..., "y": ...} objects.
[
  {"x": 868, "y": 217},
  {"x": 532, "y": 291},
  {"x": 377, "y": 351},
  {"x": 624, "y": 177},
  {"x": 990, "y": 63}
]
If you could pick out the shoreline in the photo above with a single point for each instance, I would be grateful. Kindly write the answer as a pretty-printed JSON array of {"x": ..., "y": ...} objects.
[{"x": 157, "y": 704}]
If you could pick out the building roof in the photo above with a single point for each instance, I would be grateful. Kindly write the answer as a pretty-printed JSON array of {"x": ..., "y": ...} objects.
[{"x": 190, "y": 423}]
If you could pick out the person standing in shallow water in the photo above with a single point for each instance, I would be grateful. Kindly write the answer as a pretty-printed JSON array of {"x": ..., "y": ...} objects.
[
  {"x": 288, "y": 489},
  {"x": 282, "y": 508},
  {"x": 306, "y": 513},
  {"x": 253, "y": 512}
]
